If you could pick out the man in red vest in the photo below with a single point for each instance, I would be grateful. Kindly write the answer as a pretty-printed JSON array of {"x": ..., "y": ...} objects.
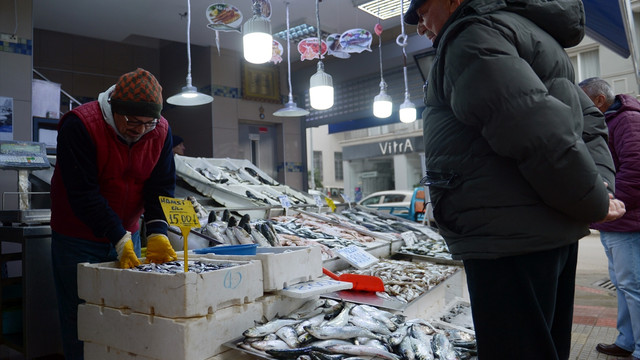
[{"x": 114, "y": 159}]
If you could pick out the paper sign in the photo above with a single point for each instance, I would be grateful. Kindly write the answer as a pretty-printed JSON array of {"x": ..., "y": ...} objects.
[
  {"x": 318, "y": 200},
  {"x": 409, "y": 238},
  {"x": 179, "y": 212},
  {"x": 357, "y": 257},
  {"x": 284, "y": 201},
  {"x": 315, "y": 287}
]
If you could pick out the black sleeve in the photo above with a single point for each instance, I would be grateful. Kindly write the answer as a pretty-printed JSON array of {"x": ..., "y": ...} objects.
[{"x": 77, "y": 159}]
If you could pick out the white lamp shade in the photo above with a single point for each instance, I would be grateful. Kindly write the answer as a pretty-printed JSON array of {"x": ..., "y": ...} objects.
[
  {"x": 407, "y": 112},
  {"x": 257, "y": 40},
  {"x": 321, "y": 90},
  {"x": 382, "y": 105},
  {"x": 189, "y": 97}
]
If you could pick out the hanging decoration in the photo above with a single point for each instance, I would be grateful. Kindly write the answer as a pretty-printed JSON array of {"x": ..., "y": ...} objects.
[
  {"x": 335, "y": 48},
  {"x": 223, "y": 17},
  {"x": 276, "y": 57},
  {"x": 308, "y": 48},
  {"x": 356, "y": 41}
]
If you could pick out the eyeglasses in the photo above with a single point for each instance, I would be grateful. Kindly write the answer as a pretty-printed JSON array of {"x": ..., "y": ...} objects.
[{"x": 135, "y": 123}]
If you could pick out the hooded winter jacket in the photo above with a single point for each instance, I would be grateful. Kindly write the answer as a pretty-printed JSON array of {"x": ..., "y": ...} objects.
[
  {"x": 624, "y": 143},
  {"x": 513, "y": 165}
]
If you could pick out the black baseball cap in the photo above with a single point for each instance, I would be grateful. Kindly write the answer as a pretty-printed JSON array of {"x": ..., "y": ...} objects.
[{"x": 411, "y": 16}]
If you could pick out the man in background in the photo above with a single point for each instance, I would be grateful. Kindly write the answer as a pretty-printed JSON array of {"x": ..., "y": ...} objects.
[
  {"x": 178, "y": 145},
  {"x": 621, "y": 238}
]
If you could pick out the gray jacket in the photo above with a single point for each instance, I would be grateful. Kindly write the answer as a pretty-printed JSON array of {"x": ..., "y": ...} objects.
[{"x": 516, "y": 154}]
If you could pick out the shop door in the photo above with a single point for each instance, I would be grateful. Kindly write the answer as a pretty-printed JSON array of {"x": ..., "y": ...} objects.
[{"x": 258, "y": 142}]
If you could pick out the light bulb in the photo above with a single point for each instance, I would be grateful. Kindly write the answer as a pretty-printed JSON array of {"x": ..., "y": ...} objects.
[
  {"x": 257, "y": 40},
  {"x": 321, "y": 89},
  {"x": 382, "y": 105},
  {"x": 407, "y": 112}
]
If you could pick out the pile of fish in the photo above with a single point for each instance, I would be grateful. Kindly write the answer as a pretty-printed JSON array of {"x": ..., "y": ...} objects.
[
  {"x": 326, "y": 330},
  {"x": 228, "y": 230},
  {"x": 175, "y": 267},
  {"x": 435, "y": 248},
  {"x": 459, "y": 315},
  {"x": 406, "y": 280}
]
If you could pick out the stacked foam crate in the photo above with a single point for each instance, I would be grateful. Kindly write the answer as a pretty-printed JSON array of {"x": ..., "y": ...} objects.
[
  {"x": 157, "y": 316},
  {"x": 281, "y": 267}
]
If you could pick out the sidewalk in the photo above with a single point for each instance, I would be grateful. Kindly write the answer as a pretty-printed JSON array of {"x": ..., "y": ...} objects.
[{"x": 595, "y": 306}]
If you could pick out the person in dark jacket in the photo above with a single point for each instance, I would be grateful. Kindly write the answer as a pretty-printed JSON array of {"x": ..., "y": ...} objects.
[
  {"x": 114, "y": 160},
  {"x": 621, "y": 238},
  {"x": 516, "y": 163}
]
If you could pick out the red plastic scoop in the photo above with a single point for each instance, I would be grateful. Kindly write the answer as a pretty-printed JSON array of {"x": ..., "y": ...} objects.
[{"x": 360, "y": 282}]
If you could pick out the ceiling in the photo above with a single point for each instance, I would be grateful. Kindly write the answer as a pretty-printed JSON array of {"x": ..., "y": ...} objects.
[{"x": 147, "y": 22}]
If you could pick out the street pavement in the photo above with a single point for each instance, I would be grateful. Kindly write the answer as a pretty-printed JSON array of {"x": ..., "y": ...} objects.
[{"x": 595, "y": 306}]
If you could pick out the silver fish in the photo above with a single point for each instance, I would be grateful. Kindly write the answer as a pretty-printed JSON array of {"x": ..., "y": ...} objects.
[
  {"x": 380, "y": 315},
  {"x": 265, "y": 345},
  {"x": 342, "y": 318},
  {"x": 309, "y": 309},
  {"x": 370, "y": 324},
  {"x": 340, "y": 332},
  {"x": 363, "y": 350},
  {"x": 443, "y": 348},
  {"x": 397, "y": 336},
  {"x": 242, "y": 235},
  {"x": 269, "y": 327},
  {"x": 421, "y": 343},
  {"x": 259, "y": 239},
  {"x": 406, "y": 348},
  {"x": 314, "y": 321},
  {"x": 288, "y": 334}
]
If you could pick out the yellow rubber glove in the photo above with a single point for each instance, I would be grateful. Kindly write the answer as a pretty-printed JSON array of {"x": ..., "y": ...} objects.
[
  {"x": 159, "y": 249},
  {"x": 126, "y": 255}
]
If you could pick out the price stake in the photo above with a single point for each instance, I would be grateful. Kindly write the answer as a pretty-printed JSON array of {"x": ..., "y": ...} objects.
[
  {"x": 346, "y": 199},
  {"x": 285, "y": 202},
  {"x": 357, "y": 257},
  {"x": 409, "y": 238},
  {"x": 180, "y": 213},
  {"x": 318, "y": 201}
]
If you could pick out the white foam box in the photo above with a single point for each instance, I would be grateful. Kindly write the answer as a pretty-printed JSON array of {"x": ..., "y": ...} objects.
[
  {"x": 463, "y": 321},
  {"x": 433, "y": 301},
  {"x": 103, "y": 352},
  {"x": 283, "y": 266},
  {"x": 163, "y": 338},
  {"x": 170, "y": 295}
]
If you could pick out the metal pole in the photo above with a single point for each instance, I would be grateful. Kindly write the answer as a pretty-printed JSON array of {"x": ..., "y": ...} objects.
[{"x": 629, "y": 28}]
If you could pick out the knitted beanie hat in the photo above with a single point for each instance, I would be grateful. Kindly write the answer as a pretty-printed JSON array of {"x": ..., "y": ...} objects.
[{"x": 137, "y": 93}]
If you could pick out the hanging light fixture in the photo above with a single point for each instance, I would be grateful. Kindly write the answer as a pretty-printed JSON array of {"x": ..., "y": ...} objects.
[
  {"x": 382, "y": 106},
  {"x": 321, "y": 83},
  {"x": 189, "y": 95},
  {"x": 290, "y": 109},
  {"x": 407, "y": 108},
  {"x": 257, "y": 40}
]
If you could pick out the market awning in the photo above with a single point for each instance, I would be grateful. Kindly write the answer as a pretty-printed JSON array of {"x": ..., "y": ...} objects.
[{"x": 605, "y": 24}]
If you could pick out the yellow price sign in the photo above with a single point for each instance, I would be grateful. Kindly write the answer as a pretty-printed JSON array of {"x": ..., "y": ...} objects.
[
  {"x": 329, "y": 202},
  {"x": 180, "y": 213}
]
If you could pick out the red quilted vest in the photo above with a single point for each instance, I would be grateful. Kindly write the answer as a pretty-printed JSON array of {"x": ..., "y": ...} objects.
[{"x": 122, "y": 172}]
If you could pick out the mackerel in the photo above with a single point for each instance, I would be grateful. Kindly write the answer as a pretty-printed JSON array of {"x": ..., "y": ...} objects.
[
  {"x": 340, "y": 332},
  {"x": 268, "y": 328},
  {"x": 361, "y": 350}
]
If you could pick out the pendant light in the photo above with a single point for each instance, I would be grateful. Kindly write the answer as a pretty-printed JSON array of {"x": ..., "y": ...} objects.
[
  {"x": 321, "y": 83},
  {"x": 407, "y": 108},
  {"x": 257, "y": 40},
  {"x": 382, "y": 106},
  {"x": 189, "y": 95},
  {"x": 290, "y": 109}
]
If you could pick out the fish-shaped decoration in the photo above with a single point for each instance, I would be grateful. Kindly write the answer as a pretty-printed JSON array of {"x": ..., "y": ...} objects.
[
  {"x": 356, "y": 40},
  {"x": 334, "y": 47},
  {"x": 223, "y": 17},
  {"x": 308, "y": 48},
  {"x": 265, "y": 8}
]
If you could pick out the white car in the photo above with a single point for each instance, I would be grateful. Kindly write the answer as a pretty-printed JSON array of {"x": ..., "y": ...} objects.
[
  {"x": 407, "y": 204},
  {"x": 394, "y": 202}
]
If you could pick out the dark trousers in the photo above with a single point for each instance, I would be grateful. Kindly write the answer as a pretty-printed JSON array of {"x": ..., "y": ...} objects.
[
  {"x": 522, "y": 305},
  {"x": 66, "y": 253}
]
